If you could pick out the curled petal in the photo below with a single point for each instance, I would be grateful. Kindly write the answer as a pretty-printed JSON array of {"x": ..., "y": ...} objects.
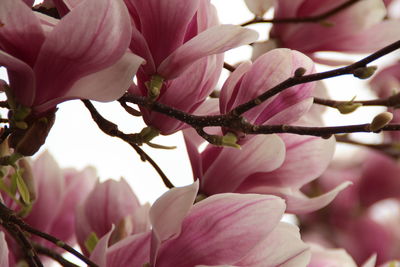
[
  {"x": 215, "y": 40},
  {"x": 259, "y": 154},
  {"x": 92, "y": 37},
  {"x": 211, "y": 232},
  {"x": 167, "y": 214}
]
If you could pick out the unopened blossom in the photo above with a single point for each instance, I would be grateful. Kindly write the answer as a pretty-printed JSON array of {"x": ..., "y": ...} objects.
[
  {"x": 359, "y": 28},
  {"x": 57, "y": 193},
  {"x": 386, "y": 84},
  {"x": 356, "y": 220},
  {"x": 83, "y": 55},
  {"x": 181, "y": 42},
  {"x": 226, "y": 229},
  {"x": 110, "y": 203}
]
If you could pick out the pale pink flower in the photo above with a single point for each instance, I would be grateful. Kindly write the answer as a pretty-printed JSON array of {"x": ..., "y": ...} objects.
[
  {"x": 181, "y": 42},
  {"x": 357, "y": 220},
  {"x": 57, "y": 194},
  {"x": 360, "y": 28},
  {"x": 110, "y": 203},
  {"x": 226, "y": 229},
  {"x": 80, "y": 56}
]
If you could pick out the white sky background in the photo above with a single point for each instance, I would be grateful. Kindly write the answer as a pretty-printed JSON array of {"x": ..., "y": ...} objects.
[{"x": 75, "y": 141}]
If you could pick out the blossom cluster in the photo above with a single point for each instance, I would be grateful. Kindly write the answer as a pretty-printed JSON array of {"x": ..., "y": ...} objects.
[{"x": 168, "y": 55}]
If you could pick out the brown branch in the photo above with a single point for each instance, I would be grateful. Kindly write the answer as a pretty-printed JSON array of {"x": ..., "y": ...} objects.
[
  {"x": 310, "y": 19},
  {"x": 111, "y": 129},
  {"x": 54, "y": 255},
  {"x": 392, "y": 101},
  {"x": 17, "y": 233},
  {"x": 8, "y": 217},
  {"x": 229, "y": 67}
]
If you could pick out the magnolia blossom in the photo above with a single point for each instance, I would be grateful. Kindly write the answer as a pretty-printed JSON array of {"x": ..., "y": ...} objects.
[
  {"x": 271, "y": 164},
  {"x": 360, "y": 28},
  {"x": 110, "y": 203},
  {"x": 216, "y": 231},
  {"x": 361, "y": 208},
  {"x": 181, "y": 43},
  {"x": 81, "y": 56},
  {"x": 55, "y": 194}
]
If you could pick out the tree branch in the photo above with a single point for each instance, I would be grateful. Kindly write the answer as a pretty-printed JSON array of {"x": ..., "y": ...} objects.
[{"x": 111, "y": 129}]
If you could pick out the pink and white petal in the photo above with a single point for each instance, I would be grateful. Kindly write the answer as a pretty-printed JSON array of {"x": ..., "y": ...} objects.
[
  {"x": 258, "y": 7},
  {"x": 321, "y": 257},
  {"x": 77, "y": 187},
  {"x": 288, "y": 249},
  {"x": 107, "y": 204},
  {"x": 99, "y": 254},
  {"x": 211, "y": 232},
  {"x": 193, "y": 142},
  {"x": 297, "y": 203},
  {"x": 287, "y": 108},
  {"x": 167, "y": 213},
  {"x": 163, "y": 24},
  {"x": 49, "y": 187},
  {"x": 215, "y": 40},
  {"x": 376, "y": 37},
  {"x": 295, "y": 171},
  {"x": 371, "y": 261},
  {"x": 131, "y": 251},
  {"x": 106, "y": 85},
  {"x": 21, "y": 78},
  {"x": 3, "y": 251},
  {"x": 230, "y": 88},
  {"x": 20, "y": 27},
  {"x": 259, "y": 154},
  {"x": 90, "y": 38},
  {"x": 140, "y": 47}
]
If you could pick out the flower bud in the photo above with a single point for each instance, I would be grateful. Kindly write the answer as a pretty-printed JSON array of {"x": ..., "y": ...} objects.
[{"x": 380, "y": 121}]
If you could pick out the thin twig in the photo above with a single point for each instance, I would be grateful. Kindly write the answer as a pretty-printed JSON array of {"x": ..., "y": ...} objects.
[
  {"x": 310, "y": 19},
  {"x": 229, "y": 67},
  {"x": 392, "y": 101},
  {"x": 111, "y": 129},
  {"x": 145, "y": 157}
]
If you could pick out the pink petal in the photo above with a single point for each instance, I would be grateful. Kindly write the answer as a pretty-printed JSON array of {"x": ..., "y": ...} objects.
[
  {"x": 98, "y": 255},
  {"x": 215, "y": 40},
  {"x": 3, "y": 251},
  {"x": 292, "y": 108},
  {"x": 299, "y": 204},
  {"x": 92, "y": 37},
  {"x": 295, "y": 170},
  {"x": 21, "y": 77},
  {"x": 163, "y": 24},
  {"x": 50, "y": 187},
  {"x": 77, "y": 187},
  {"x": 21, "y": 27},
  {"x": 321, "y": 257},
  {"x": 220, "y": 230},
  {"x": 167, "y": 214},
  {"x": 287, "y": 250},
  {"x": 230, "y": 88},
  {"x": 131, "y": 251},
  {"x": 105, "y": 85},
  {"x": 259, "y": 154}
]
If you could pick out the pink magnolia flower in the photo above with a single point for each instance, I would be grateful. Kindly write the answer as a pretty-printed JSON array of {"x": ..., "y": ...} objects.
[
  {"x": 386, "y": 83},
  {"x": 181, "y": 42},
  {"x": 271, "y": 164},
  {"x": 226, "y": 229},
  {"x": 361, "y": 209},
  {"x": 360, "y": 28},
  {"x": 81, "y": 56},
  {"x": 110, "y": 203},
  {"x": 57, "y": 194}
]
